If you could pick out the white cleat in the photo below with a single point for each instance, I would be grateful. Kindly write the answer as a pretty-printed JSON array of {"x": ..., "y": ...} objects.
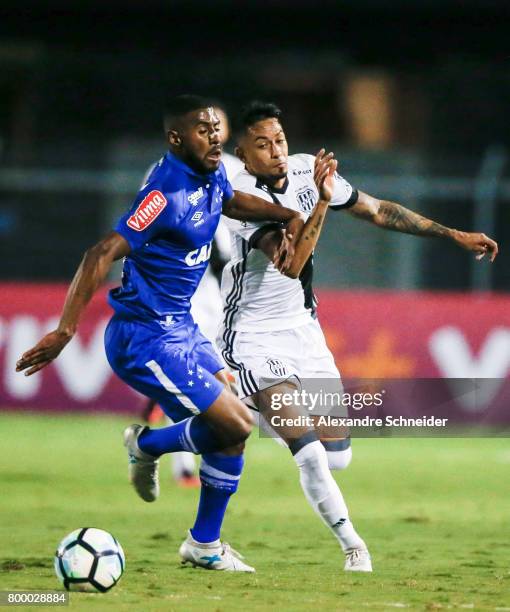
[
  {"x": 357, "y": 560},
  {"x": 213, "y": 556},
  {"x": 143, "y": 469}
]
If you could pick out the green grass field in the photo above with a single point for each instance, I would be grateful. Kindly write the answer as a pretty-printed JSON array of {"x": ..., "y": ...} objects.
[{"x": 435, "y": 514}]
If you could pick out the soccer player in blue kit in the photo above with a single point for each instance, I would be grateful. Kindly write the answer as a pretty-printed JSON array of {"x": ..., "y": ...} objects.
[{"x": 152, "y": 342}]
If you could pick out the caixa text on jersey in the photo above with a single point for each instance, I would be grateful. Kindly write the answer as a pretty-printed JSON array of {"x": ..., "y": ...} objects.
[{"x": 198, "y": 256}]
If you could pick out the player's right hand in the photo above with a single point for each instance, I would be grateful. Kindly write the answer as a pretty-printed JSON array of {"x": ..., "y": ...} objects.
[
  {"x": 43, "y": 353},
  {"x": 324, "y": 174},
  {"x": 478, "y": 243}
]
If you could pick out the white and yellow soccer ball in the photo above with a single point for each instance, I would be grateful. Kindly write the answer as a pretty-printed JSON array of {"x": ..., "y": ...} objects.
[{"x": 89, "y": 559}]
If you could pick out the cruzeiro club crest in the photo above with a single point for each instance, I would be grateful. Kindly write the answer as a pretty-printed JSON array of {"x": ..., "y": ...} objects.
[
  {"x": 306, "y": 199},
  {"x": 277, "y": 367}
]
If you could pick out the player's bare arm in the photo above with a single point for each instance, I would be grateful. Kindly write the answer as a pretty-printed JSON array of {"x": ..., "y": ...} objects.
[
  {"x": 247, "y": 207},
  {"x": 324, "y": 171},
  {"x": 393, "y": 216},
  {"x": 92, "y": 271}
]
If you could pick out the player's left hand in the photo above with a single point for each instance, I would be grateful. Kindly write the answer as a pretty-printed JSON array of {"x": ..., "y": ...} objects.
[
  {"x": 43, "y": 353},
  {"x": 478, "y": 243},
  {"x": 285, "y": 252},
  {"x": 324, "y": 174}
]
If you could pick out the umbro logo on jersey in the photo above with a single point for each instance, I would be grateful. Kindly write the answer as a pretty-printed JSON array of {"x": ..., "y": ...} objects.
[
  {"x": 148, "y": 210},
  {"x": 195, "y": 196},
  {"x": 298, "y": 172},
  {"x": 197, "y": 217}
]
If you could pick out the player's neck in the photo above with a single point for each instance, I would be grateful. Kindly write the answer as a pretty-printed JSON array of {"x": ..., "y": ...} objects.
[
  {"x": 280, "y": 183},
  {"x": 272, "y": 182}
]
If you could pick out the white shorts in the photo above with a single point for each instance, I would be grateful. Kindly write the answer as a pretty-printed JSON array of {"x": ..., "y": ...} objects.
[{"x": 262, "y": 359}]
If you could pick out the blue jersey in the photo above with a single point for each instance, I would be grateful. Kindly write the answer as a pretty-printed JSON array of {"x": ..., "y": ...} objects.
[{"x": 169, "y": 229}]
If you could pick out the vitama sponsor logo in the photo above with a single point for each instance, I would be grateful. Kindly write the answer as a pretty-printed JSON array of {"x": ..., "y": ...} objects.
[{"x": 148, "y": 210}]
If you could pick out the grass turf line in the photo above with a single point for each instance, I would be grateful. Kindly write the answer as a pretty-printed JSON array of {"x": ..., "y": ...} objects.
[{"x": 433, "y": 512}]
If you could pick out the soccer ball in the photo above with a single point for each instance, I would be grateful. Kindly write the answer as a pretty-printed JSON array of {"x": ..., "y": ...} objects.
[{"x": 90, "y": 560}]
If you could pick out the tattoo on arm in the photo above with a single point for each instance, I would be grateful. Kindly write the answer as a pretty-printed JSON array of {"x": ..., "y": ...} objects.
[
  {"x": 314, "y": 229},
  {"x": 395, "y": 217}
]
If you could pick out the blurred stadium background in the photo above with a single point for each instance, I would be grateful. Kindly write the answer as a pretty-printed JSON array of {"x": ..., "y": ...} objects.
[{"x": 412, "y": 96}]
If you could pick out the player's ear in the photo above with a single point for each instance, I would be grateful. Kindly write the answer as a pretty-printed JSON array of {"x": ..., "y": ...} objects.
[
  {"x": 173, "y": 138},
  {"x": 240, "y": 153}
]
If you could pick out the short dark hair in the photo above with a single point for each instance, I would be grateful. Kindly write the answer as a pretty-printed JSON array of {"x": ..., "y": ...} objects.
[
  {"x": 180, "y": 105},
  {"x": 258, "y": 111}
]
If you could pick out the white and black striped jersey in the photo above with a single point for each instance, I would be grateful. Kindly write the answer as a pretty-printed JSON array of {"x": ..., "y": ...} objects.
[{"x": 256, "y": 297}]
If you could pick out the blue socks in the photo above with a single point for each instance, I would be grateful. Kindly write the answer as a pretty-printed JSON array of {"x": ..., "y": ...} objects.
[
  {"x": 192, "y": 435},
  {"x": 219, "y": 473},
  {"x": 220, "y": 476}
]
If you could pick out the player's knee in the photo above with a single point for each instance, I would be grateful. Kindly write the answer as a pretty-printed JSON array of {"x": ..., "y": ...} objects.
[
  {"x": 238, "y": 427},
  {"x": 245, "y": 421},
  {"x": 313, "y": 465},
  {"x": 231, "y": 420},
  {"x": 339, "y": 453},
  {"x": 339, "y": 460},
  {"x": 244, "y": 428}
]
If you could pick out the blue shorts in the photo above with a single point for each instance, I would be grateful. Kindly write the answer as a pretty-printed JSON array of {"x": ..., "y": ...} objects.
[{"x": 175, "y": 367}]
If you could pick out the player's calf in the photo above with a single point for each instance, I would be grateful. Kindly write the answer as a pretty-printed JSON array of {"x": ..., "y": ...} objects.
[
  {"x": 325, "y": 497},
  {"x": 219, "y": 475},
  {"x": 224, "y": 425}
]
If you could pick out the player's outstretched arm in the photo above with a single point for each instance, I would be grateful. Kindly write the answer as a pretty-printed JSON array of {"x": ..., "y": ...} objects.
[
  {"x": 247, "y": 207},
  {"x": 269, "y": 243},
  {"x": 392, "y": 216},
  {"x": 92, "y": 271}
]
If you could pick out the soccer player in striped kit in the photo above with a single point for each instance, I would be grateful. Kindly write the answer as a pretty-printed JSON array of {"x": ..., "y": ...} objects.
[{"x": 271, "y": 337}]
